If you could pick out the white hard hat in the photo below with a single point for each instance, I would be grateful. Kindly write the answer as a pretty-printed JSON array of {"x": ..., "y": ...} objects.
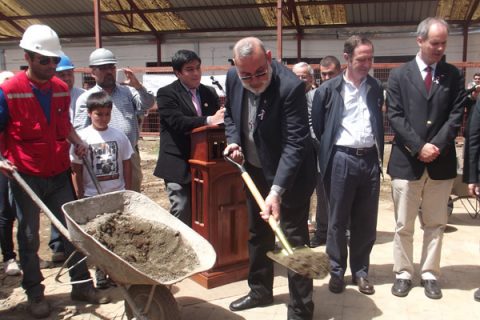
[
  {"x": 102, "y": 56},
  {"x": 42, "y": 40}
]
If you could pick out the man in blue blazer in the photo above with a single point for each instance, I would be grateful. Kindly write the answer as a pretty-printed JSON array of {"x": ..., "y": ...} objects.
[
  {"x": 347, "y": 121},
  {"x": 266, "y": 126},
  {"x": 178, "y": 117},
  {"x": 426, "y": 98}
]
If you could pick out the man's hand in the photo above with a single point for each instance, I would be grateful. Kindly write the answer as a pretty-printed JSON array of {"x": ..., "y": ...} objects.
[
  {"x": 234, "y": 151},
  {"x": 272, "y": 207},
  {"x": 81, "y": 149},
  {"x": 7, "y": 168},
  {"x": 475, "y": 93},
  {"x": 473, "y": 189},
  {"x": 217, "y": 118},
  {"x": 130, "y": 79},
  {"x": 428, "y": 153}
]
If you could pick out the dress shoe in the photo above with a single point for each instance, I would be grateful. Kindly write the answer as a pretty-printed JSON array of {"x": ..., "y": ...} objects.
[
  {"x": 317, "y": 241},
  {"x": 336, "y": 285},
  {"x": 249, "y": 302},
  {"x": 364, "y": 286},
  {"x": 401, "y": 287},
  {"x": 476, "y": 295},
  {"x": 432, "y": 289}
]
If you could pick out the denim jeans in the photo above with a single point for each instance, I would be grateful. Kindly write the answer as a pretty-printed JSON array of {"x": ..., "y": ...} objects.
[
  {"x": 54, "y": 192},
  {"x": 7, "y": 217}
]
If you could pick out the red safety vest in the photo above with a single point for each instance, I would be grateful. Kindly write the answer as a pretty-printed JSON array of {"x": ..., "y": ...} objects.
[{"x": 33, "y": 145}]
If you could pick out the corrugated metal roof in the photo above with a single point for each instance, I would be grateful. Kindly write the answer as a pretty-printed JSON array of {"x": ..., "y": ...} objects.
[{"x": 163, "y": 17}]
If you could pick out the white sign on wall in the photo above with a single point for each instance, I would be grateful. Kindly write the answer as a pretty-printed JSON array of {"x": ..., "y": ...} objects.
[{"x": 153, "y": 82}]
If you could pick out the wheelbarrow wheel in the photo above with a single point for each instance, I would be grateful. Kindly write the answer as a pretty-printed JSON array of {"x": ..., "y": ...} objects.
[{"x": 162, "y": 307}]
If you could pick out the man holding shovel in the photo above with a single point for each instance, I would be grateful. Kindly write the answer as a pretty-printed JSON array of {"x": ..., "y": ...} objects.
[
  {"x": 266, "y": 127},
  {"x": 34, "y": 116}
]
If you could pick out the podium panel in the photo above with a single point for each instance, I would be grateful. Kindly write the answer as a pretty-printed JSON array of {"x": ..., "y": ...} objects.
[{"x": 219, "y": 211}]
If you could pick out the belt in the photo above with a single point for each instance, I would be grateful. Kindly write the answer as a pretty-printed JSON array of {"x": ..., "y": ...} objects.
[{"x": 358, "y": 152}]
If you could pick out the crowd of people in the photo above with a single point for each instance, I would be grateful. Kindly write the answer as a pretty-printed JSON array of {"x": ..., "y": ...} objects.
[{"x": 292, "y": 136}]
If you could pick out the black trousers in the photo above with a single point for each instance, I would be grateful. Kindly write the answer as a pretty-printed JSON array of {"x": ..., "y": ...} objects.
[
  {"x": 294, "y": 223},
  {"x": 352, "y": 184}
]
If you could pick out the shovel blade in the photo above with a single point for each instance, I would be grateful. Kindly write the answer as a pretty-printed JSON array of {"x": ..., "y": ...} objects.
[{"x": 304, "y": 261}]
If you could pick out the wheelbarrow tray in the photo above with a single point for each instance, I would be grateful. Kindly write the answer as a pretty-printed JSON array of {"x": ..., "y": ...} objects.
[{"x": 79, "y": 212}]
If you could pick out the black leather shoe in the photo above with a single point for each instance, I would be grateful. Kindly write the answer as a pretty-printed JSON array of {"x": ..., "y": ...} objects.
[
  {"x": 249, "y": 302},
  {"x": 336, "y": 285},
  {"x": 364, "y": 286},
  {"x": 401, "y": 287},
  {"x": 317, "y": 241},
  {"x": 476, "y": 295},
  {"x": 432, "y": 289}
]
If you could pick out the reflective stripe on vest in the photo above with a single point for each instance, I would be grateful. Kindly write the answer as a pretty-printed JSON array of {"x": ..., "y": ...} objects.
[
  {"x": 19, "y": 95},
  {"x": 60, "y": 94}
]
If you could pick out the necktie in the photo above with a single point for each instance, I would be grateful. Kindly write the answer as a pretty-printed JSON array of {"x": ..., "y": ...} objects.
[
  {"x": 428, "y": 78},
  {"x": 195, "y": 101}
]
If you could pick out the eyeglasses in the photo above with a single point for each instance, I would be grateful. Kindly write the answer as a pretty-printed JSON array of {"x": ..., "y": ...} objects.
[
  {"x": 47, "y": 60},
  {"x": 256, "y": 75}
]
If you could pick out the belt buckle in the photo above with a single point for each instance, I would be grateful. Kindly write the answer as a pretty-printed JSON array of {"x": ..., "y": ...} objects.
[{"x": 360, "y": 152}]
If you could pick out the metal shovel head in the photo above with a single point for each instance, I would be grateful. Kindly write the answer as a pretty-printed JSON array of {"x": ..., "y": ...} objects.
[{"x": 304, "y": 261}]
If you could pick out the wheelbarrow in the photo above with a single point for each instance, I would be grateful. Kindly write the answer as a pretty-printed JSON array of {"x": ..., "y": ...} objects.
[{"x": 146, "y": 296}]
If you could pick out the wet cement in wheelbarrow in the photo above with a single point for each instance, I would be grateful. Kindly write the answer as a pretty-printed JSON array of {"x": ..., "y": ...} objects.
[{"x": 153, "y": 248}]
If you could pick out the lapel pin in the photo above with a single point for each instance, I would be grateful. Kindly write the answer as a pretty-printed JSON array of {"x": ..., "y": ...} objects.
[{"x": 261, "y": 114}]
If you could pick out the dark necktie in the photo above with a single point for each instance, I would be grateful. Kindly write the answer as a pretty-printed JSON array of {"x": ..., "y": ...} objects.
[{"x": 428, "y": 78}]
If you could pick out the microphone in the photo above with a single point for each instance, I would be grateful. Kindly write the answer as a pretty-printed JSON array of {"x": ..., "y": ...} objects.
[{"x": 215, "y": 82}]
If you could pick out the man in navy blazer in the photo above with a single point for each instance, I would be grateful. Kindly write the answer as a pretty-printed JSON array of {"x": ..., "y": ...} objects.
[
  {"x": 178, "y": 117},
  {"x": 266, "y": 126},
  {"x": 426, "y": 98},
  {"x": 347, "y": 121}
]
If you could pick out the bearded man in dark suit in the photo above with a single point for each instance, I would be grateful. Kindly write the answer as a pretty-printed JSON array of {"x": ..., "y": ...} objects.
[
  {"x": 183, "y": 105},
  {"x": 425, "y": 99},
  {"x": 266, "y": 126}
]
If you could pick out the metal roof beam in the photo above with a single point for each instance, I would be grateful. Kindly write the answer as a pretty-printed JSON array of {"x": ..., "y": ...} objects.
[
  {"x": 473, "y": 8},
  {"x": 198, "y": 8},
  {"x": 13, "y": 23}
]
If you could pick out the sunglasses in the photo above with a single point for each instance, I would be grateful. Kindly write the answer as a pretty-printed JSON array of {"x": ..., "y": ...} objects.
[
  {"x": 47, "y": 60},
  {"x": 256, "y": 75}
]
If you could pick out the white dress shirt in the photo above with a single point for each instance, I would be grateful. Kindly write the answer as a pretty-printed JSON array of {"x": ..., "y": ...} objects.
[{"x": 356, "y": 128}]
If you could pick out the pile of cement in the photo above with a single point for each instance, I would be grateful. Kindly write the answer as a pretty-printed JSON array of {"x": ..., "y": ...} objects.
[{"x": 151, "y": 247}]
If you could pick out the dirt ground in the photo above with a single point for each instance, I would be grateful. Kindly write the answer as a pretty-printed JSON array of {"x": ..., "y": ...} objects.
[{"x": 12, "y": 298}]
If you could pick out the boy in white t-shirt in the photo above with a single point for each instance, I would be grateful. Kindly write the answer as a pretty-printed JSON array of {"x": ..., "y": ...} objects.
[
  {"x": 109, "y": 152},
  {"x": 108, "y": 157}
]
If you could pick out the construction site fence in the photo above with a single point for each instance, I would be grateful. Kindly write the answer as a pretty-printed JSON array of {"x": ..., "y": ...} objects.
[{"x": 150, "y": 125}]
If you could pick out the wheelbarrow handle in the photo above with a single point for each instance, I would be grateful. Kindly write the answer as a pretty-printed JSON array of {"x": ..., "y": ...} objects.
[
  {"x": 88, "y": 166},
  {"x": 39, "y": 202},
  {"x": 261, "y": 203}
]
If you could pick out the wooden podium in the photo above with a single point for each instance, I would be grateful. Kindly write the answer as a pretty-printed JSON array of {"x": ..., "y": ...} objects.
[{"x": 219, "y": 211}]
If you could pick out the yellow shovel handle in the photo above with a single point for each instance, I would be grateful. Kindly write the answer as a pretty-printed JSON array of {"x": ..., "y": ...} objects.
[{"x": 271, "y": 220}]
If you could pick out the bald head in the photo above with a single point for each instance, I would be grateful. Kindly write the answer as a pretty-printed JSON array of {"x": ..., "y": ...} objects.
[{"x": 247, "y": 47}]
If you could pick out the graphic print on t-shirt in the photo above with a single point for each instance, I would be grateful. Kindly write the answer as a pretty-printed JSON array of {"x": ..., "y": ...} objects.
[{"x": 104, "y": 159}]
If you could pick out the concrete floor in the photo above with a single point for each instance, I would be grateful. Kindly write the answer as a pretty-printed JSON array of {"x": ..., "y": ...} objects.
[{"x": 460, "y": 278}]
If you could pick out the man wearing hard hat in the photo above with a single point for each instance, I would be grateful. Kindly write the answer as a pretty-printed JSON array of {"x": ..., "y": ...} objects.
[
  {"x": 129, "y": 100},
  {"x": 34, "y": 107},
  {"x": 65, "y": 72}
]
